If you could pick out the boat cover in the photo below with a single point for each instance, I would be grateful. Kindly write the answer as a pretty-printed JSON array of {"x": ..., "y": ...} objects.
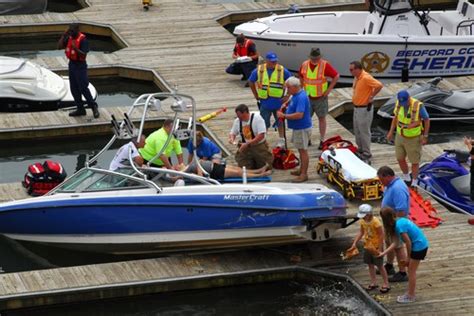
[{"x": 353, "y": 169}]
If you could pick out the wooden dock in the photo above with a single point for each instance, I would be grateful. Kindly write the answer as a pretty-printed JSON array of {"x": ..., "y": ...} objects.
[{"x": 183, "y": 43}]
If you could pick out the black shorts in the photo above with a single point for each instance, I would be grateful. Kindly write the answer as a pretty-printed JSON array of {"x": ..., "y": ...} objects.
[
  {"x": 419, "y": 255},
  {"x": 152, "y": 164},
  {"x": 218, "y": 172}
]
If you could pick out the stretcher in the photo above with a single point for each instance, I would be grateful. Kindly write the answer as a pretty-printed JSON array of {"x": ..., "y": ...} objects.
[{"x": 355, "y": 178}]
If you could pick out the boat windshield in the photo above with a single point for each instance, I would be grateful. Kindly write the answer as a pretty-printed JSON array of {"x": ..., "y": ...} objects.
[
  {"x": 88, "y": 180},
  {"x": 392, "y": 7}
]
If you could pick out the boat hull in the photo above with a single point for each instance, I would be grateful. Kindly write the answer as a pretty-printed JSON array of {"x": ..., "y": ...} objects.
[
  {"x": 291, "y": 53},
  {"x": 163, "y": 223}
]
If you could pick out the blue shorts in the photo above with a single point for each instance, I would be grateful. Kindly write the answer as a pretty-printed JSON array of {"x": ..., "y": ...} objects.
[{"x": 267, "y": 114}]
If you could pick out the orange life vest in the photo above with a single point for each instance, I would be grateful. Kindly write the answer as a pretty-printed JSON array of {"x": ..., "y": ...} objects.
[
  {"x": 315, "y": 82},
  {"x": 243, "y": 50},
  {"x": 71, "y": 53}
]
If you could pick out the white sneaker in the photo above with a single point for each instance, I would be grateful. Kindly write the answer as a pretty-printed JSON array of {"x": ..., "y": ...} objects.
[
  {"x": 281, "y": 143},
  {"x": 405, "y": 177}
]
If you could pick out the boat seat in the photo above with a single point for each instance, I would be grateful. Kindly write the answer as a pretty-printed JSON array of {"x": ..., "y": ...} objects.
[
  {"x": 450, "y": 20},
  {"x": 462, "y": 184},
  {"x": 461, "y": 100}
]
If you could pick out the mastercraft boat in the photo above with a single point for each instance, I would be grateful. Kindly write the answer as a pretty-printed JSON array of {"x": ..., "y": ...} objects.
[
  {"x": 26, "y": 86},
  {"x": 139, "y": 210},
  {"x": 392, "y": 37}
]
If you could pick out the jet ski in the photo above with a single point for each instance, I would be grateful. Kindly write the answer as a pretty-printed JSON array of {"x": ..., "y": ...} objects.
[
  {"x": 448, "y": 182},
  {"x": 28, "y": 87},
  {"x": 441, "y": 105}
]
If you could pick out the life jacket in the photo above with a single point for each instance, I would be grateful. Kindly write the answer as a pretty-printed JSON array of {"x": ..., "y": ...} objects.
[
  {"x": 409, "y": 125},
  {"x": 43, "y": 177},
  {"x": 315, "y": 83},
  {"x": 250, "y": 126},
  {"x": 284, "y": 158},
  {"x": 243, "y": 50},
  {"x": 273, "y": 86},
  {"x": 338, "y": 142},
  {"x": 71, "y": 53}
]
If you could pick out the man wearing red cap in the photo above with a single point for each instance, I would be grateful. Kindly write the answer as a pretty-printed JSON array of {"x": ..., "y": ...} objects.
[{"x": 413, "y": 125}]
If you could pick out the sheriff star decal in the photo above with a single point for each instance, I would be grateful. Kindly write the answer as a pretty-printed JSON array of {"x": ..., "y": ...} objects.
[{"x": 375, "y": 62}]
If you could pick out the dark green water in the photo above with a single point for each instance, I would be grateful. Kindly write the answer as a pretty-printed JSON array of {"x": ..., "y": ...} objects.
[
  {"x": 63, "y": 6},
  {"x": 29, "y": 47},
  {"x": 119, "y": 91},
  {"x": 278, "y": 298}
]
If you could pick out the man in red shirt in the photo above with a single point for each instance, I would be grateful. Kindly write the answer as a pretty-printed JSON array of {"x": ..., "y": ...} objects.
[
  {"x": 246, "y": 58},
  {"x": 313, "y": 75}
]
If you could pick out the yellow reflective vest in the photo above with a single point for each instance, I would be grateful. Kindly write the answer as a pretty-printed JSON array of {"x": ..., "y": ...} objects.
[
  {"x": 409, "y": 124},
  {"x": 270, "y": 87},
  {"x": 315, "y": 83}
]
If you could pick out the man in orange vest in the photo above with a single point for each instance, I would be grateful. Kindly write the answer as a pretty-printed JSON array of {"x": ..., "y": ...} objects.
[
  {"x": 313, "y": 75},
  {"x": 76, "y": 49},
  {"x": 246, "y": 58}
]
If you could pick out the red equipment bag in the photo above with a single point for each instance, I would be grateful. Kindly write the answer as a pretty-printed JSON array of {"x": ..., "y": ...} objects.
[
  {"x": 284, "y": 159},
  {"x": 41, "y": 178},
  {"x": 338, "y": 142}
]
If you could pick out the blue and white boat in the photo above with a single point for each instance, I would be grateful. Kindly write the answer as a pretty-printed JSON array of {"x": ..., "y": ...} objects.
[{"x": 133, "y": 211}]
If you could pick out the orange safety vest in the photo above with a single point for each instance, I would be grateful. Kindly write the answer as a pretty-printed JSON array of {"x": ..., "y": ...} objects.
[
  {"x": 71, "y": 53},
  {"x": 315, "y": 83},
  {"x": 243, "y": 50}
]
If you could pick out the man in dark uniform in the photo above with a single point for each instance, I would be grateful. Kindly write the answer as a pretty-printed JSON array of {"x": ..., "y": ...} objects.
[{"x": 76, "y": 49}]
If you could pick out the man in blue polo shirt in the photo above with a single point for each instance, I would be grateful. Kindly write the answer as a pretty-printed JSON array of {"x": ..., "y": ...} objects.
[
  {"x": 205, "y": 149},
  {"x": 299, "y": 120},
  {"x": 397, "y": 197},
  {"x": 268, "y": 85}
]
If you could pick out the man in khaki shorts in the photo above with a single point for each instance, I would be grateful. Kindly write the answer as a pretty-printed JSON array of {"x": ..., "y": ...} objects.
[
  {"x": 413, "y": 124},
  {"x": 299, "y": 120}
]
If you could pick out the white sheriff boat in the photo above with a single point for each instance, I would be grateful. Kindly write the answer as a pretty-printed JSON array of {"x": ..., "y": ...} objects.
[{"x": 393, "y": 36}]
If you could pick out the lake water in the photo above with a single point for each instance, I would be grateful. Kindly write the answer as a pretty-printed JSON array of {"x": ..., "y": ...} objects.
[{"x": 277, "y": 298}]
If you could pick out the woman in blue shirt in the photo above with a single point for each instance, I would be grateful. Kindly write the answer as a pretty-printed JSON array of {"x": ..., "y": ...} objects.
[
  {"x": 415, "y": 240},
  {"x": 205, "y": 149}
]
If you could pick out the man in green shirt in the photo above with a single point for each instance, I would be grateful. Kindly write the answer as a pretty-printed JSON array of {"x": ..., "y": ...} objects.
[{"x": 154, "y": 144}]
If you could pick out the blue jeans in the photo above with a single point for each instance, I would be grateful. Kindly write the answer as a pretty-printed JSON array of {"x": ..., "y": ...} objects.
[
  {"x": 267, "y": 114},
  {"x": 79, "y": 84}
]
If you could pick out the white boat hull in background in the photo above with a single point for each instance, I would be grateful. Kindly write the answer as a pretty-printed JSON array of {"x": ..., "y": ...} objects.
[{"x": 440, "y": 44}]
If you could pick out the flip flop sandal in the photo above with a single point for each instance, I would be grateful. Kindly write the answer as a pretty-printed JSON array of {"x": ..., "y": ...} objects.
[
  {"x": 371, "y": 287},
  {"x": 384, "y": 290}
]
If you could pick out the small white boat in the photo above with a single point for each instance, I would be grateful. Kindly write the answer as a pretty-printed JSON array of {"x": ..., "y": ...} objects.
[
  {"x": 22, "y": 6},
  {"x": 392, "y": 37},
  {"x": 25, "y": 86}
]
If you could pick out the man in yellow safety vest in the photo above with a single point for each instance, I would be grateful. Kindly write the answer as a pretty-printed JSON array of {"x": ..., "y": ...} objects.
[
  {"x": 412, "y": 123},
  {"x": 268, "y": 86},
  {"x": 313, "y": 75}
]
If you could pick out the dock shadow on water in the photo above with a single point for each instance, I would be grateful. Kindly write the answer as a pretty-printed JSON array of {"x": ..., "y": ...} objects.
[{"x": 328, "y": 297}]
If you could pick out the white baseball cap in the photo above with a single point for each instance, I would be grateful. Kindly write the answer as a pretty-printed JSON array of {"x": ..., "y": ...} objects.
[{"x": 364, "y": 209}]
